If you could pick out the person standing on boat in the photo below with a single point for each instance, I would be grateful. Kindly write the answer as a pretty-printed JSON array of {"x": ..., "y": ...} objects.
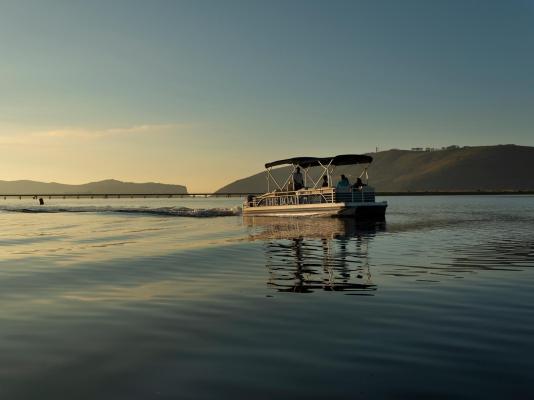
[
  {"x": 325, "y": 181},
  {"x": 298, "y": 180}
]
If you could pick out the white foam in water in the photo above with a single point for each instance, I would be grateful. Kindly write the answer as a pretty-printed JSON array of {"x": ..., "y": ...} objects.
[{"x": 161, "y": 211}]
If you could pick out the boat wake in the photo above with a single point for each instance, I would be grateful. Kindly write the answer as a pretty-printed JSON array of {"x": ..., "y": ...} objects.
[{"x": 158, "y": 211}]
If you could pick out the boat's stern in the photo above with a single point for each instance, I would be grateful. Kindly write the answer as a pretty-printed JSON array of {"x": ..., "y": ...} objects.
[{"x": 371, "y": 210}]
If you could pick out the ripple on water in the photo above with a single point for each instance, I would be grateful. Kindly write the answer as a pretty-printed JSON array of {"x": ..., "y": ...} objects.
[{"x": 143, "y": 306}]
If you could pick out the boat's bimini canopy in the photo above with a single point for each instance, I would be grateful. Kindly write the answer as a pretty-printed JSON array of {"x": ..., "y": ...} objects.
[
  {"x": 328, "y": 164},
  {"x": 306, "y": 162}
]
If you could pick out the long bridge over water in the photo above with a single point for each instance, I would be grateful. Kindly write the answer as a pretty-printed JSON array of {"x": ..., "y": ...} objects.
[
  {"x": 119, "y": 195},
  {"x": 236, "y": 194}
]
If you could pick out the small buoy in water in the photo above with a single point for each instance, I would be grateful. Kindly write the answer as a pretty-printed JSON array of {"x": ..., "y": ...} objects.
[{"x": 41, "y": 201}]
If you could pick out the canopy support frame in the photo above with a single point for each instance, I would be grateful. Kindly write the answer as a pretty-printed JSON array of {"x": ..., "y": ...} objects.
[{"x": 327, "y": 169}]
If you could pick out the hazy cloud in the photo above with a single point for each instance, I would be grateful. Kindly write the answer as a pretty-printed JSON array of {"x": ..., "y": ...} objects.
[
  {"x": 40, "y": 136},
  {"x": 84, "y": 133}
]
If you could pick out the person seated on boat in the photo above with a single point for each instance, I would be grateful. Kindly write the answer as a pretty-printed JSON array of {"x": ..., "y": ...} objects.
[
  {"x": 343, "y": 182},
  {"x": 325, "y": 181},
  {"x": 359, "y": 184},
  {"x": 298, "y": 181}
]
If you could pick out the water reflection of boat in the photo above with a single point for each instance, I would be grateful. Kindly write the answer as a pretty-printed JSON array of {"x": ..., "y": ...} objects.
[{"x": 306, "y": 255}]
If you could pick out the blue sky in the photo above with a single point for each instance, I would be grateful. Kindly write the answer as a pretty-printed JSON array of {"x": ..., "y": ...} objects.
[{"x": 204, "y": 92}]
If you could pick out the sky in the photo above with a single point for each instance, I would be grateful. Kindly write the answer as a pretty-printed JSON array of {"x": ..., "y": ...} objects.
[{"x": 205, "y": 92}]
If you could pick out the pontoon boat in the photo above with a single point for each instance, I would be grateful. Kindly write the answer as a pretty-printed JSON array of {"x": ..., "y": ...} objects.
[{"x": 312, "y": 200}]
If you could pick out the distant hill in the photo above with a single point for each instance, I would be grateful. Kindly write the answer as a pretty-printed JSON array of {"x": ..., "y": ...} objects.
[
  {"x": 102, "y": 187},
  {"x": 487, "y": 168}
]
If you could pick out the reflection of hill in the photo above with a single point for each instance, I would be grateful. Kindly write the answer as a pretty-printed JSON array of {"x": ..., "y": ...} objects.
[
  {"x": 470, "y": 168},
  {"x": 305, "y": 255}
]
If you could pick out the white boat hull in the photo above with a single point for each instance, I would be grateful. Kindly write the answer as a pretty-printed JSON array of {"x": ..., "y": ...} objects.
[{"x": 360, "y": 209}]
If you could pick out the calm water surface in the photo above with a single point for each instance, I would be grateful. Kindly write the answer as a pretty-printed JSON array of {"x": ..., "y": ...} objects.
[{"x": 142, "y": 299}]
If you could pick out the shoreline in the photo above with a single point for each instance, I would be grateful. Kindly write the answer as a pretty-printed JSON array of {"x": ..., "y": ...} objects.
[
  {"x": 211, "y": 195},
  {"x": 457, "y": 193}
]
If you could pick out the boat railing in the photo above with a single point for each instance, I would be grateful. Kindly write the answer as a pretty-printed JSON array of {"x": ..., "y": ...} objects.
[
  {"x": 312, "y": 196},
  {"x": 364, "y": 194},
  {"x": 293, "y": 197}
]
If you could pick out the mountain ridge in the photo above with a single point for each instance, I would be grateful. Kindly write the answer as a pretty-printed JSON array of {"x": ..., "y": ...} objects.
[
  {"x": 106, "y": 186},
  {"x": 470, "y": 168}
]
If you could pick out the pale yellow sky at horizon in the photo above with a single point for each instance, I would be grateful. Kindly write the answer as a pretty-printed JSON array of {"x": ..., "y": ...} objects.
[
  {"x": 172, "y": 153},
  {"x": 204, "y": 157}
]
